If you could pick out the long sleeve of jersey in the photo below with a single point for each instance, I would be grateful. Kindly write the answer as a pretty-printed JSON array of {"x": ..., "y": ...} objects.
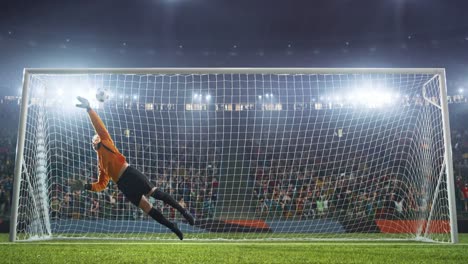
[
  {"x": 110, "y": 160},
  {"x": 101, "y": 184},
  {"x": 99, "y": 125}
]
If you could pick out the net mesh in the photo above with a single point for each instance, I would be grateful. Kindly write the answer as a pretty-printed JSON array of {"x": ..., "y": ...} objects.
[{"x": 252, "y": 156}]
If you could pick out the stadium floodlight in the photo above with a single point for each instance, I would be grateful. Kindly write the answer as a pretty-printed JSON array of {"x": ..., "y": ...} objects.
[
  {"x": 61, "y": 93},
  {"x": 460, "y": 90},
  {"x": 267, "y": 172},
  {"x": 208, "y": 97},
  {"x": 259, "y": 97},
  {"x": 372, "y": 98}
]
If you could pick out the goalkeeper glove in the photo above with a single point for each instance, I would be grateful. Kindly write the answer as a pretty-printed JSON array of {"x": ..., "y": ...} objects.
[
  {"x": 84, "y": 103},
  {"x": 80, "y": 185}
]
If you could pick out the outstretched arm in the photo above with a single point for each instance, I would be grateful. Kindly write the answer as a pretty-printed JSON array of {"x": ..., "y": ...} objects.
[
  {"x": 101, "y": 184},
  {"x": 98, "y": 125},
  {"x": 95, "y": 119}
]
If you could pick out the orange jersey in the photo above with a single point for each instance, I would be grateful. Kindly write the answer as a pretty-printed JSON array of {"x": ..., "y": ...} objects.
[{"x": 110, "y": 160}]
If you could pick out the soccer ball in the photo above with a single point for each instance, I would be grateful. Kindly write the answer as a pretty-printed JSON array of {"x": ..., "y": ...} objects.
[{"x": 102, "y": 95}]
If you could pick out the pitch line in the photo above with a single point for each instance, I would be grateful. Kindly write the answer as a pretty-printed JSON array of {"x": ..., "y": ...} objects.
[{"x": 235, "y": 243}]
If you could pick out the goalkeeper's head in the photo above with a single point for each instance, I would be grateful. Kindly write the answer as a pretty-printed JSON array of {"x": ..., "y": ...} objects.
[{"x": 96, "y": 142}]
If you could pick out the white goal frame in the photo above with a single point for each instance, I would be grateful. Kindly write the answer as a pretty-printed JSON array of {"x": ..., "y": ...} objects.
[{"x": 440, "y": 72}]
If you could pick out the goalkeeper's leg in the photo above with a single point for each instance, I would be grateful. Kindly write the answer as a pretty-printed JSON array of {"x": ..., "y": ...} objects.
[
  {"x": 146, "y": 206},
  {"x": 157, "y": 194}
]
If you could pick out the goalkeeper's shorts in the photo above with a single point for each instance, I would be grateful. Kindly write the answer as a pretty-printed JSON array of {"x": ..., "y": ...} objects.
[{"x": 134, "y": 184}]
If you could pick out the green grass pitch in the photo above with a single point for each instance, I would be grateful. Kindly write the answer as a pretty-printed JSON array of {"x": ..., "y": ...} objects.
[{"x": 190, "y": 251}]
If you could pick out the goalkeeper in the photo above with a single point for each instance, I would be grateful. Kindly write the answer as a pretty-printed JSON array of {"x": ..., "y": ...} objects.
[{"x": 133, "y": 184}]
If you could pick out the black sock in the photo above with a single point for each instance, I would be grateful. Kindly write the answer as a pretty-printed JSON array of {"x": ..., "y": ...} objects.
[
  {"x": 167, "y": 199},
  {"x": 158, "y": 216}
]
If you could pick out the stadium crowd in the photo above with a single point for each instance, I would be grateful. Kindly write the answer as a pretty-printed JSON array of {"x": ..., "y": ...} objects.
[
  {"x": 460, "y": 156},
  {"x": 299, "y": 184},
  {"x": 193, "y": 182},
  {"x": 183, "y": 172},
  {"x": 284, "y": 182},
  {"x": 9, "y": 113},
  {"x": 294, "y": 183}
]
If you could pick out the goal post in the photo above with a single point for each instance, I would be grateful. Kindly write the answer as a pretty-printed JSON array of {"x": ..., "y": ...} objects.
[
  {"x": 253, "y": 153},
  {"x": 448, "y": 158}
]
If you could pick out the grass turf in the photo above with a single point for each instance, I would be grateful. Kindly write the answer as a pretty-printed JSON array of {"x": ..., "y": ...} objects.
[{"x": 124, "y": 251}]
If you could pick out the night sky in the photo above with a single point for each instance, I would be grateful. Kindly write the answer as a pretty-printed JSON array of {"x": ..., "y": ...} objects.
[{"x": 236, "y": 33}]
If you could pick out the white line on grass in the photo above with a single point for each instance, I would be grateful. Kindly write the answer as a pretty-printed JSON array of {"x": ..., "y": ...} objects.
[{"x": 234, "y": 243}]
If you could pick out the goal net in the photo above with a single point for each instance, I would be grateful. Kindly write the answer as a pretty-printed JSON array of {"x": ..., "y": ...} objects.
[{"x": 251, "y": 153}]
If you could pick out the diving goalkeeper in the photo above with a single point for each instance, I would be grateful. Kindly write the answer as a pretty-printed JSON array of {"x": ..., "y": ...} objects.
[{"x": 133, "y": 184}]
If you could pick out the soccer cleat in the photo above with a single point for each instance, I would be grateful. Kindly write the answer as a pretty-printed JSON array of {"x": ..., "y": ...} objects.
[
  {"x": 177, "y": 231},
  {"x": 189, "y": 217}
]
